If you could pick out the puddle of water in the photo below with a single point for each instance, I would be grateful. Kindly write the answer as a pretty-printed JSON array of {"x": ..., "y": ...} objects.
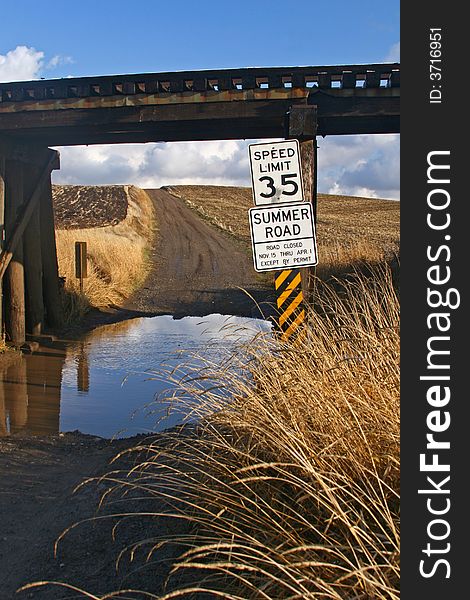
[{"x": 103, "y": 384}]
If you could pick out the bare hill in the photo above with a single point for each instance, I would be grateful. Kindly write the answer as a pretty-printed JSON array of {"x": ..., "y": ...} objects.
[
  {"x": 84, "y": 206},
  {"x": 341, "y": 219}
]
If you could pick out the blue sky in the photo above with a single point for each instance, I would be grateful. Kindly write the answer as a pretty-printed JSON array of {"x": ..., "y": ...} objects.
[{"x": 60, "y": 39}]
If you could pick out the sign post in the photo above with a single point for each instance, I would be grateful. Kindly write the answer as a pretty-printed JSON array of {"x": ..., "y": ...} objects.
[
  {"x": 81, "y": 262},
  {"x": 282, "y": 223}
]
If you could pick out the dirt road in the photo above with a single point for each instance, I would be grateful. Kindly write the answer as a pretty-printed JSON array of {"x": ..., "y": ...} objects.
[{"x": 198, "y": 269}]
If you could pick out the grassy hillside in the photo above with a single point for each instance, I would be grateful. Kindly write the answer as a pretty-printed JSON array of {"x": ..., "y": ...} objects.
[{"x": 349, "y": 229}]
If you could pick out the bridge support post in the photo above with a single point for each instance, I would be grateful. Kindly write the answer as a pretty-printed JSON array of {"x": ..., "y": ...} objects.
[
  {"x": 50, "y": 267},
  {"x": 33, "y": 259},
  {"x": 28, "y": 255},
  {"x": 2, "y": 234},
  {"x": 294, "y": 287},
  {"x": 302, "y": 125},
  {"x": 15, "y": 323},
  {"x": 309, "y": 175}
]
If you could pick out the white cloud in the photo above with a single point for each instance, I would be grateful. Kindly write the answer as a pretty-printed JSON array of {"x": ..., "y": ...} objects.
[
  {"x": 393, "y": 54},
  {"x": 58, "y": 61},
  {"x": 25, "y": 63},
  {"x": 362, "y": 165},
  {"x": 154, "y": 165},
  {"x": 22, "y": 63}
]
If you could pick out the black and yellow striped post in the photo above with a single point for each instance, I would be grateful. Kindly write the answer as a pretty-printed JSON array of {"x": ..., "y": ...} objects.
[
  {"x": 290, "y": 303},
  {"x": 294, "y": 286}
]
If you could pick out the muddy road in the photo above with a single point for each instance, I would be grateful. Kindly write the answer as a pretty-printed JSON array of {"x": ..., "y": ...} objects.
[{"x": 198, "y": 269}]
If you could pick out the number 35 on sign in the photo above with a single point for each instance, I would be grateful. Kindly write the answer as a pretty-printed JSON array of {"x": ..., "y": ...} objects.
[{"x": 275, "y": 171}]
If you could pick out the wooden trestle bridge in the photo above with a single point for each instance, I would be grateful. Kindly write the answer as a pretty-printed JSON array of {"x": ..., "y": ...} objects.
[{"x": 251, "y": 103}]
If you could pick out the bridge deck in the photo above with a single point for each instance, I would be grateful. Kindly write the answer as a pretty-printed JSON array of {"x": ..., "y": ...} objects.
[{"x": 199, "y": 105}]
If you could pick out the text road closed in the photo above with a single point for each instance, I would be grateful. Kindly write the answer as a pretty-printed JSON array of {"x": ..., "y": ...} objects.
[{"x": 283, "y": 236}]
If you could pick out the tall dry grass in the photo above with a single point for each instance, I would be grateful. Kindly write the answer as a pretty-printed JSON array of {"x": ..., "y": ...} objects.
[
  {"x": 289, "y": 482},
  {"x": 116, "y": 265},
  {"x": 116, "y": 258}
]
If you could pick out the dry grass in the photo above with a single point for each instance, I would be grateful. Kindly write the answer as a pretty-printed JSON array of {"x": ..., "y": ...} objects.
[
  {"x": 117, "y": 262},
  {"x": 291, "y": 481},
  {"x": 350, "y": 230}
]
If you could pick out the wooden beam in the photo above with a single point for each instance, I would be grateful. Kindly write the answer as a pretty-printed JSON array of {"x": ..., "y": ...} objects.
[
  {"x": 302, "y": 124},
  {"x": 51, "y": 290},
  {"x": 26, "y": 152},
  {"x": 2, "y": 232},
  {"x": 15, "y": 324},
  {"x": 309, "y": 174},
  {"x": 22, "y": 215},
  {"x": 32, "y": 258},
  {"x": 338, "y": 113}
]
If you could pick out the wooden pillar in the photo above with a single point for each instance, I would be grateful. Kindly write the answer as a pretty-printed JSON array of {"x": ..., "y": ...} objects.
[
  {"x": 2, "y": 233},
  {"x": 309, "y": 175},
  {"x": 50, "y": 270},
  {"x": 33, "y": 259},
  {"x": 15, "y": 324},
  {"x": 302, "y": 125}
]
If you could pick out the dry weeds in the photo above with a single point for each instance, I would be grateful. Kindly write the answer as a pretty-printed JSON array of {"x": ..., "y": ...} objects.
[
  {"x": 291, "y": 480},
  {"x": 117, "y": 256}
]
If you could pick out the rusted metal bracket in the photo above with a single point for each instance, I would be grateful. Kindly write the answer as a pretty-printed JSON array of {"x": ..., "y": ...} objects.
[{"x": 301, "y": 122}]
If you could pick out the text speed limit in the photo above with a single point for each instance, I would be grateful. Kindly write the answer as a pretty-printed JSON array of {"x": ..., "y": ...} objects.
[{"x": 276, "y": 173}]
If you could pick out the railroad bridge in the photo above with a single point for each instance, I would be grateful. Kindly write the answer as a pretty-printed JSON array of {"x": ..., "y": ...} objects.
[{"x": 250, "y": 103}]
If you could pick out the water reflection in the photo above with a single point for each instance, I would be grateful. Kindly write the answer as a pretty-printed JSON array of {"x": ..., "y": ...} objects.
[
  {"x": 30, "y": 393},
  {"x": 104, "y": 383}
]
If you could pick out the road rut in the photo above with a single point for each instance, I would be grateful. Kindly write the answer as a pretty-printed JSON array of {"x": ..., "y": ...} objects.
[{"x": 198, "y": 270}]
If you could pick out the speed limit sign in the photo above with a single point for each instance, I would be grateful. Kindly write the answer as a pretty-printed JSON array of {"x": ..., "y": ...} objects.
[{"x": 276, "y": 173}]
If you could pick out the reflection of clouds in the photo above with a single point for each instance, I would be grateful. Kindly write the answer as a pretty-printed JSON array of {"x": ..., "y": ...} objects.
[
  {"x": 211, "y": 326},
  {"x": 129, "y": 366},
  {"x": 141, "y": 344}
]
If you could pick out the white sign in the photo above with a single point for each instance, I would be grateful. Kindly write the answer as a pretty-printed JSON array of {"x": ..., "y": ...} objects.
[
  {"x": 283, "y": 236},
  {"x": 276, "y": 172}
]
